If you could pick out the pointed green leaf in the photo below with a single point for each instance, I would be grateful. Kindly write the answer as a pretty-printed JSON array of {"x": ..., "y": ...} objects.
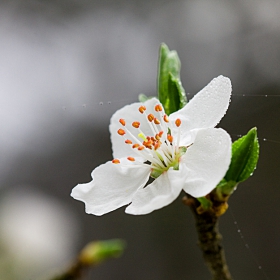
[
  {"x": 245, "y": 154},
  {"x": 142, "y": 97},
  {"x": 170, "y": 91},
  {"x": 205, "y": 203},
  {"x": 176, "y": 94}
]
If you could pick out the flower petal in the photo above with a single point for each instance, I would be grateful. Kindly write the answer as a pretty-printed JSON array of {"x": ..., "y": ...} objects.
[
  {"x": 161, "y": 192},
  {"x": 113, "y": 186},
  {"x": 130, "y": 113},
  {"x": 207, "y": 161},
  {"x": 206, "y": 108}
]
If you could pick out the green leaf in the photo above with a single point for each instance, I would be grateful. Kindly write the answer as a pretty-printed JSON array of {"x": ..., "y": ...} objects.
[
  {"x": 205, "y": 203},
  {"x": 176, "y": 94},
  {"x": 245, "y": 155},
  {"x": 142, "y": 97},
  {"x": 170, "y": 90}
]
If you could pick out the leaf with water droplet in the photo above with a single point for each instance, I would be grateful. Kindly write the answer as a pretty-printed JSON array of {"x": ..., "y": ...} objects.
[
  {"x": 171, "y": 93},
  {"x": 245, "y": 155}
]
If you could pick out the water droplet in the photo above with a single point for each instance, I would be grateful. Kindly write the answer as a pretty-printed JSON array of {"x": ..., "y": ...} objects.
[
  {"x": 264, "y": 139},
  {"x": 101, "y": 103},
  {"x": 260, "y": 267},
  {"x": 238, "y": 230},
  {"x": 84, "y": 105},
  {"x": 109, "y": 102},
  {"x": 266, "y": 95},
  {"x": 243, "y": 95}
]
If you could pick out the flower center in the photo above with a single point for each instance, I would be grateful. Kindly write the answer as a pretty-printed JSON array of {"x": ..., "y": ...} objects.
[{"x": 160, "y": 150}]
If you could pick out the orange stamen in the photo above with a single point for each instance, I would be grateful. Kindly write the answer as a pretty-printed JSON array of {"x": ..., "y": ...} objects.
[
  {"x": 115, "y": 161},
  {"x": 178, "y": 122},
  {"x": 121, "y": 132},
  {"x": 160, "y": 133},
  {"x": 135, "y": 146},
  {"x": 131, "y": 158},
  {"x": 128, "y": 141},
  {"x": 122, "y": 121},
  {"x": 141, "y": 148},
  {"x": 151, "y": 117},
  {"x": 156, "y": 145},
  {"x": 165, "y": 118},
  {"x": 136, "y": 124},
  {"x": 158, "y": 108},
  {"x": 142, "y": 109},
  {"x": 156, "y": 121},
  {"x": 170, "y": 138}
]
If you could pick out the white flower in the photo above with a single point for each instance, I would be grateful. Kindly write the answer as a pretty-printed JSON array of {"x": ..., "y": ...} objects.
[{"x": 181, "y": 152}]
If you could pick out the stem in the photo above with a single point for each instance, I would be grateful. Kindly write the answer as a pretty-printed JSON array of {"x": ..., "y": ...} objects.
[
  {"x": 75, "y": 272},
  {"x": 210, "y": 240}
]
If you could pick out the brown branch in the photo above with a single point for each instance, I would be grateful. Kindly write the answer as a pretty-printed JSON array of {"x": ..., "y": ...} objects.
[{"x": 210, "y": 240}]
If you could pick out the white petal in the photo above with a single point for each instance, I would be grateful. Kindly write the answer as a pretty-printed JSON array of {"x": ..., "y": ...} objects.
[
  {"x": 206, "y": 108},
  {"x": 207, "y": 161},
  {"x": 161, "y": 192},
  {"x": 130, "y": 113},
  {"x": 113, "y": 186}
]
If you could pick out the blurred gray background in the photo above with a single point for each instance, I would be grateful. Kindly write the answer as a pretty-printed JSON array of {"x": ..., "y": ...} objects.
[{"x": 66, "y": 66}]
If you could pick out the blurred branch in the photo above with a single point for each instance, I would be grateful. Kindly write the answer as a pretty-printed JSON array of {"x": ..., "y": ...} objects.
[{"x": 91, "y": 255}]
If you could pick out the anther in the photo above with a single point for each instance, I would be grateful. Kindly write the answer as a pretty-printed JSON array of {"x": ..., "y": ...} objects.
[
  {"x": 131, "y": 158},
  {"x": 136, "y": 124},
  {"x": 165, "y": 118},
  {"x": 158, "y": 108},
  {"x": 141, "y": 148},
  {"x": 178, "y": 122},
  {"x": 135, "y": 146},
  {"x": 121, "y": 132},
  {"x": 156, "y": 145},
  {"x": 170, "y": 138},
  {"x": 142, "y": 109},
  {"x": 151, "y": 117},
  {"x": 128, "y": 141},
  {"x": 160, "y": 133},
  {"x": 156, "y": 121},
  {"x": 122, "y": 121},
  {"x": 115, "y": 161}
]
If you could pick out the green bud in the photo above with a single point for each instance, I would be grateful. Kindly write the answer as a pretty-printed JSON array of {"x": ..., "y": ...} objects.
[
  {"x": 171, "y": 94},
  {"x": 245, "y": 155},
  {"x": 99, "y": 251}
]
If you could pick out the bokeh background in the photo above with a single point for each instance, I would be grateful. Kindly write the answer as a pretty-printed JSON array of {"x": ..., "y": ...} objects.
[{"x": 66, "y": 66}]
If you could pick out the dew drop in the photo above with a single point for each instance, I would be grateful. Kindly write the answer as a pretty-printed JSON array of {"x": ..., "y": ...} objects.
[
  {"x": 264, "y": 139},
  {"x": 260, "y": 267},
  {"x": 101, "y": 103},
  {"x": 238, "y": 230},
  {"x": 109, "y": 102},
  {"x": 266, "y": 95}
]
